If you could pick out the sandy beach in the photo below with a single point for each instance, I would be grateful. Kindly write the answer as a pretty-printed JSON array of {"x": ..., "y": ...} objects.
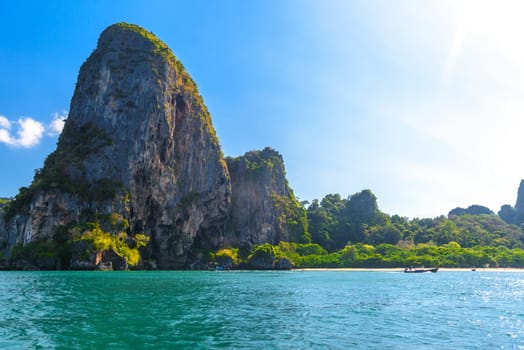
[{"x": 399, "y": 269}]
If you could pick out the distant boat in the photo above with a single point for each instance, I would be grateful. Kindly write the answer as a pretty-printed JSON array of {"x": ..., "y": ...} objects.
[{"x": 421, "y": 270}]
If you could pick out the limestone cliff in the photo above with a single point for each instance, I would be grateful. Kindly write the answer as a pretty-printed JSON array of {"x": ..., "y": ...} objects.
[
  {"x": 264, "y": 208},
  {"x": 139, "y": 166},
  {"x": 514, "y": 215},
  {"x": 519, "y": 205},
  {"x": 138, "y": 142}
]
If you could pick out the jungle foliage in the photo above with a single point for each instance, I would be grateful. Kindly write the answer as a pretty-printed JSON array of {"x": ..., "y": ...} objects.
[
  {"x": 353, "y": 232},
  {"x": 335, "y": 222},
  {"x": 385, "y": 255},
  {"x": 116, "y": 238}
]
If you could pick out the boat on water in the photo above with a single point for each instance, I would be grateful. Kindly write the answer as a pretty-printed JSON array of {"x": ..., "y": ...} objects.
[{"x": 420, "y": 270}]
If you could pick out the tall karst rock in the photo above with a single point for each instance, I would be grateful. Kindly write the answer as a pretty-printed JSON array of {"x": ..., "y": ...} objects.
[
  {"x": 514, "y": 215},
  {"x": 138, "y": 152},
  {"x": 138, "y": 142},
  {"x": 264, "y": 208},
  {"x": 519, "y": 205}
]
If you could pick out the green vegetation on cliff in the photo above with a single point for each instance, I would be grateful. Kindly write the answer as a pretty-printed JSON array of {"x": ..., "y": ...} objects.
[
  {"x": 58, "y": 251},
  {"x": 160, "y": 49},
  {"x": 52, "y": 253},
  {"x": 4, "y": 202},
  {"x": 227, "y": 257},
  {"x": 258, "y": 164},
  {"x": 64, "y": 169},
  {"x": 20, "y": 204},
  {"x": 293, "y": 216},
  {"x": 99, "y": 241}
]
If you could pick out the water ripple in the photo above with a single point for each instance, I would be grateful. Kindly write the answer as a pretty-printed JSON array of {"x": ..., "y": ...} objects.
[{"x": 260, "y": 310}]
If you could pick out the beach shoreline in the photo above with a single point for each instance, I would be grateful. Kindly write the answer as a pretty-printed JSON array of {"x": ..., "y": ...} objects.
[{"x": 400, "y": 269}]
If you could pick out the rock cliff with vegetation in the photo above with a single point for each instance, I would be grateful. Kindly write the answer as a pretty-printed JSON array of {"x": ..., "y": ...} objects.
[
  {"x": 264, "y": 208},
  {"x": 514, "y": 215},
  {"x": 139, "y": 144},
  {"x": 138, "y": 177}
]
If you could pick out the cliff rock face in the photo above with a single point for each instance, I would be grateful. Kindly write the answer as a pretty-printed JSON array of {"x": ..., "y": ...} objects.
[
  {"x": 514, "y": 215},
  {"x": 519, "y": 205},
  {"x": 263, "y": 208},
  {"x": 139, "y": 156},
  {"x": 138, "y": 142}
]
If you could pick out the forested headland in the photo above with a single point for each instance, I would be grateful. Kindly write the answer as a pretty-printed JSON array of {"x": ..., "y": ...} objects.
[{"x": 353, "y": 232}]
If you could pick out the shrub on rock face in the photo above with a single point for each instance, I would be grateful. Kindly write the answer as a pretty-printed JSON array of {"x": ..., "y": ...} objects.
[
  {"x": 227, "y": 257},
  {"x": 263, "y": 257},
  {"x": 105, "y": 246},
  {"x": 42, "y": 254},
  {"x": 268, "y": 257}
]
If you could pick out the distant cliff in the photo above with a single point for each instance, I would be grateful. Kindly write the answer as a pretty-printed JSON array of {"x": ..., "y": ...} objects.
[
  {"x": 264, "y": 208},
  {"x": 514, "y": 215},
  {"x": 138, "y": 176}
]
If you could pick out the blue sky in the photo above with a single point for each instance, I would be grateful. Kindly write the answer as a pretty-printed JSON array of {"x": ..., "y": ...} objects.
[{"x": 419, "y": 101}]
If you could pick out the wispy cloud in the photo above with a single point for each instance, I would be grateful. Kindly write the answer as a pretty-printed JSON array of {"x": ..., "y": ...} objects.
[
  {"x": 454, "y": 51},
  {"x": 5, "y": 137},
  {"x": 57, "y": 124},
  {"x": 27, "y": 132},
  {"x": 4, "y": 123}
]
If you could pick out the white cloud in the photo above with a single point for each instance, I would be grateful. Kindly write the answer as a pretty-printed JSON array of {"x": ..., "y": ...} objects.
[
  {"x": 29, "y": 133},
  {"x": 57, "y": 125},
  {"x": 5, "y": 137},
  {"x": 454, "y": 51},
  {"x": 485, "y": 45},
  {"x": 4, "y": 123}
]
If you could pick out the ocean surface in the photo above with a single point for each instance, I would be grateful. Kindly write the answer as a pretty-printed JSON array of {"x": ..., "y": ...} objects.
[{"x": 261, "y": 310}]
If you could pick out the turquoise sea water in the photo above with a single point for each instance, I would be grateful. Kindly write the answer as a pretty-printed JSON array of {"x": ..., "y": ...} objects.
[{"x": 261, "y": 310}]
